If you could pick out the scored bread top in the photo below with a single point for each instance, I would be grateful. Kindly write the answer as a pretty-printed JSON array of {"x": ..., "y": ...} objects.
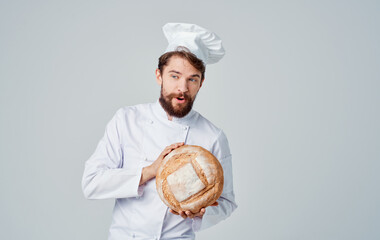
[{"x": 189, "y": 178}]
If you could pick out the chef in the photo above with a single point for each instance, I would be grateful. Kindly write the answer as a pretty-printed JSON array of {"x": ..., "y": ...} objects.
[{"x": 137, "y": 138}]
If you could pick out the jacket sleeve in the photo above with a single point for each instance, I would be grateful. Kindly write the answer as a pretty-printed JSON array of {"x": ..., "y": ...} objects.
[
  {"x": 226, "y": 201},
  {"x": 103, "y": 175}
]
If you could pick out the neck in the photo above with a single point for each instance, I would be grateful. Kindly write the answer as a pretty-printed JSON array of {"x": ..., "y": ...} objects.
[{"x": 170, "y": 118}]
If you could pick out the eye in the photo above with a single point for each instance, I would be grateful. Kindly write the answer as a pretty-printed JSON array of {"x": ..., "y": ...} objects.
[
  {"x": 192, "y": 80},
  {"x": 174, "y": 76}
]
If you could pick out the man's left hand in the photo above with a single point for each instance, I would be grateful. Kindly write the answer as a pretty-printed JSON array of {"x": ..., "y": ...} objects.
[{"x": 188, "y": 214}]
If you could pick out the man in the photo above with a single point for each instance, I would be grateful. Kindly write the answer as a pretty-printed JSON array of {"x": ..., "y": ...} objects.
[{"x": 138, "y": 137}]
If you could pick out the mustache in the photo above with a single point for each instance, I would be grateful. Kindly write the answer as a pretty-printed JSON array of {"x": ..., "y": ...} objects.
[{"x": 174, "y": 95}]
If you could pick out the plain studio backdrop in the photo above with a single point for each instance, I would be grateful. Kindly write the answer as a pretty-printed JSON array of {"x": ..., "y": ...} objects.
[{"x": 297, "y": 94}]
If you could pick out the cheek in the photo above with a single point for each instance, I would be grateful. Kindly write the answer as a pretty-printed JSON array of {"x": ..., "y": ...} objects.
[
  {"x": 193, "y": 91},
  {"x": 169, "y": 85},
  {"x": 166, "y": 87}
]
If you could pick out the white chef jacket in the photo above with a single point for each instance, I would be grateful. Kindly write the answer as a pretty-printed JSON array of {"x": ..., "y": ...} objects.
[{"x": 133, "y": 139}]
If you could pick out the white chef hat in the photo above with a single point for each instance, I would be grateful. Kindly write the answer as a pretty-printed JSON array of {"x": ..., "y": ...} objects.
[{"x": 203, "y": 43}]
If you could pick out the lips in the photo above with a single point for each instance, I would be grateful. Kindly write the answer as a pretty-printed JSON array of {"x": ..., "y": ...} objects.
[{"x": 181, "y": 99}]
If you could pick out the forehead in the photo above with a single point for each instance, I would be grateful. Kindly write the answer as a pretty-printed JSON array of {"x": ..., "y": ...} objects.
[{"x": 181, "y": 65}]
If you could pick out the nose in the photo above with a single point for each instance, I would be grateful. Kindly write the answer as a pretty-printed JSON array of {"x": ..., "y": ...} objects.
[{"x": 182, "y": 85}]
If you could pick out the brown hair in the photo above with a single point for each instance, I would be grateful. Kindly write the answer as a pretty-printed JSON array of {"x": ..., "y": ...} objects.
[{"x": 182, "y": 52}]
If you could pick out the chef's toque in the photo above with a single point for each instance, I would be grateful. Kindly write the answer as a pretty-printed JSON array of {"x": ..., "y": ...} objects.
[{"x": 204, "y": 44}]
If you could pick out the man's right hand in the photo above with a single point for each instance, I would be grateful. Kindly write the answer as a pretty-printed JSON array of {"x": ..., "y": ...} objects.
[{"x": 150, "y": 171}]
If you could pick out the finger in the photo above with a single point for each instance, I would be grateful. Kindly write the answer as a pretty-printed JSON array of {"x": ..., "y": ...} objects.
[
  {"x": 174, "y": 212},
  {"x": 201, "y": 213},
  {"x": 189, "y": 214},
  {"x": 182, "y": 214},
  {"x": 164, "y": 154},
  {"x": 166, "y": 151},
  {"x": 170, "y": 148},
  {"x": 176, "y": 145}
]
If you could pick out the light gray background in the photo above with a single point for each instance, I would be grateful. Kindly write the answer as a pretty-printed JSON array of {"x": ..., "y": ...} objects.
[{"x": 297, "y": 94}]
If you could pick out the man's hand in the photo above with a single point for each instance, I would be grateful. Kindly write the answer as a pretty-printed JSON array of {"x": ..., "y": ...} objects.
[
  {"x": 150, "y": 171},
  {"x": 188, "y": 214}
]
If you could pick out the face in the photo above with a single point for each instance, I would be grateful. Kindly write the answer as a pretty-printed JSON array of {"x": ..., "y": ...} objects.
[{"x": 180, "y": 83}]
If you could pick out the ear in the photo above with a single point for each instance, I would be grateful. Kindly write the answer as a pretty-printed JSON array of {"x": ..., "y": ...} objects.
[
  {"x": 202, "y": 82},
  {"x": 158, "y": 77}
]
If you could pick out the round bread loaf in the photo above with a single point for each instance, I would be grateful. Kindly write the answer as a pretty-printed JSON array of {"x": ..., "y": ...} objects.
[{"x": 189, "y": 178}]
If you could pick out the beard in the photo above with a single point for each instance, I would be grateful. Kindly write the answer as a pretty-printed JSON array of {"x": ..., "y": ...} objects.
[{"x": 179, "y": 111}]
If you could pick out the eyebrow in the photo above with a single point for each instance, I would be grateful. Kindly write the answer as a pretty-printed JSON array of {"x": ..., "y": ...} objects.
[{"x": 194, "y": 75}]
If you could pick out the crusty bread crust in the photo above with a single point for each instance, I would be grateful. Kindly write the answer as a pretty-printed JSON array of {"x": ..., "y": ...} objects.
[{"x": 191, "y": 174}]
